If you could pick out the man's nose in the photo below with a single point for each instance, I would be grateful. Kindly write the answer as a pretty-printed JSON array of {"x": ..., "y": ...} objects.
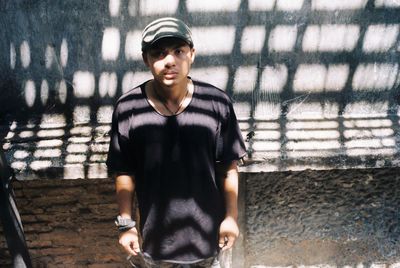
[{"x": 169, "y": 59}]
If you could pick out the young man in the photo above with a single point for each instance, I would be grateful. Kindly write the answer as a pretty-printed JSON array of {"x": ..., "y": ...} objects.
[{"x": 175, "y": 143}]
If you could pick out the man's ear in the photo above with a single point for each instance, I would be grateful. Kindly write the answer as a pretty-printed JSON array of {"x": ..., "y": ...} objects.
[
  {"x": 144, "y": 57},
  {"x": 193, "y": 54}
]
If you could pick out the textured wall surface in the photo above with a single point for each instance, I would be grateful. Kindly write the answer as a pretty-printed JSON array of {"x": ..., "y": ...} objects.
[
  {"x": 342, "y": 217},
  {"x": 315, "y": 83}
]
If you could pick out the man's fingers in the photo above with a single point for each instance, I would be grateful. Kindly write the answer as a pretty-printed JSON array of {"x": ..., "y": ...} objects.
[
  {"x": 226, "y": 241},
  {"x": 130, "y": 250},
  {"x": 135, "y": 246},
  {"x": 230, "y": 242}
]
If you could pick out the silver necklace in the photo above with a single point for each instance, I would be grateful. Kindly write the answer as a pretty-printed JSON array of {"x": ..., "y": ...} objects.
[{"x": 163, "y": 102}]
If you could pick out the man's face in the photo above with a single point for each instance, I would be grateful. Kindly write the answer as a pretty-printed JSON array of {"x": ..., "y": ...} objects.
[{"x": 169, "y": 61}]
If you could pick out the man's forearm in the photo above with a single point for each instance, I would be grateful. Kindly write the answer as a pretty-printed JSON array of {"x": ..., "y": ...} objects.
[
  {"x": 125, "y": 186},
  {"x": 230, "y": 187}
]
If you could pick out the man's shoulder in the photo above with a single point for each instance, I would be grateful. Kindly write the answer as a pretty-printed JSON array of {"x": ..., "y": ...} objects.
[
  {"x": 130, "y": 100},
  {"x": 134, "y": 93},
  {"x": 209, "y": 91}
]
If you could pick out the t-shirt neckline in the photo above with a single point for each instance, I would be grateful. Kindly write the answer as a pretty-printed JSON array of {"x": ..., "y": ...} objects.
[{"x": 143, "y": 90}]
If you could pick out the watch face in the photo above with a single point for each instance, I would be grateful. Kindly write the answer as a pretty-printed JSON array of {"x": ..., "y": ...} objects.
[{"x": 124, "y": 221}]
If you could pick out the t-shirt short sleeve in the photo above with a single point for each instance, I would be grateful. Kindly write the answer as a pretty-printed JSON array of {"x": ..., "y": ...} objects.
[
  {"x": 118, "y": 161},
  {"x": 230, "y": 144}
]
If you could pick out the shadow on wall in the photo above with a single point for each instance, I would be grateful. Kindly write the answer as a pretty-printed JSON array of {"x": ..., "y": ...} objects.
[{"x": 315, "y": 83}]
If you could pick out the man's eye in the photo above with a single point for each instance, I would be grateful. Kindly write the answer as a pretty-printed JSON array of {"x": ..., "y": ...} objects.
[{"x": 157, "y": 54}]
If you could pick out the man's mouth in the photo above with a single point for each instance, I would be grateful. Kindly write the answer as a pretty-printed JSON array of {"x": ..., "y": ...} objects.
[{"x": 170, "y": 74}]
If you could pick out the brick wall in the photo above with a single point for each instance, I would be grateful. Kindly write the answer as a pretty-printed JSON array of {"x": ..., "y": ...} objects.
[{"x": 68, "y": 223}]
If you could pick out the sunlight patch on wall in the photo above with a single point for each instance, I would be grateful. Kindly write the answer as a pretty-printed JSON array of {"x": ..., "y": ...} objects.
[
  {"x": 21, "y": 154},
  {"x": 312, "y": 110},
  {"x": 74, "y": 171},
  {"x": 330, "y": 37},
  {"x": 52, "y": 121},
  {"x": 310, "y": 125},
  {"x": 30, "y": 92},
  {"x": 282, "y": 38},
  {"x": 127, "y": 82},
  {"x": 40, "y": 164},
  {"x": 337, "y": 4},
  {"x": 313, "y": 145},
  {"x": 245, "y": 79},
  {"x": 212, "y": 6},
  {"x": 50, "y": 133},
  {"x": 81, "y": 131},
  {"x": 133, "y": 45},
  {"x": 318, "y": 78},
  {"x": 368, "y": 133},
  {"x": 77, "y": 148},
  {"x": 336, "y": 77},
  {"x": 64, "y": 53},
  {"x": 274, "y": 78},
  {"x": 114, "y": 7},
  {"x": 25, "y": 53},
  {"x": 47, "y": 153},
  {"x": 217, "y": 76},
  {"x": 261, "y": 5},
  {"x": 387, "y": 3},
  {"x": 289, "y": 5},
  {"x": 267, "y": 146},
  {"x": 81, "y": 114},
  {"x": 267, "y": 134},
  {"x": 75, "y": 158},
  {"x": 44, "y": 91},
  {"x": 131, "y": 80},
  {"x": 133, "y": 6},
  {"x": 84, "y": 139},
  {"x": 98, "y": 158},
  {"x": 253, "y": 39},
  {"x": 104, "y": 114},
  {"x": 242, "y": 110},
  {"x": 309, "y": 78},
  {"x": 97, "y": 171},
  {"x": 267, "y": 110},
  {"x": 165, "y": 7},
  {"x": 213, "y": 40},
  {"x": 26, "y": 134},
  {"x": 362, "y": 108},
  {"x": 99, "y": 148},
  {"x": 110, "y": 44},
  {"x": 375, "y": 76},
  {"x": 312, "y": 134},
  {"x": 13, "y": 56},
  {"x": 84, "y": 84},
  {"x": 62, "y": 91},
  {"x": 18, "y": 165},
  {"x": 380, "y": 37},
  {"x": 49, "y": 143},
  {"x": 108, "y": 83}
]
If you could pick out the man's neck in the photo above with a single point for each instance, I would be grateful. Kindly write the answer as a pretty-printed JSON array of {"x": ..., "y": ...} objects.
[{"x": 173, "y": 93}]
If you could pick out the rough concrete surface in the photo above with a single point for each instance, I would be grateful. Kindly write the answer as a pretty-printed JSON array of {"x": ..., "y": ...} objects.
[{"x": 340, "y": 217}]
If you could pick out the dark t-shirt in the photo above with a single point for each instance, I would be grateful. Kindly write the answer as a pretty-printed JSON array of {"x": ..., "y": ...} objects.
[{"x": 173, "y": 161}]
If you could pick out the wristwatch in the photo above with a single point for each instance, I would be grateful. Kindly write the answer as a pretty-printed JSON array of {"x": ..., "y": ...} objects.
[{"x": 124, "y": 224}]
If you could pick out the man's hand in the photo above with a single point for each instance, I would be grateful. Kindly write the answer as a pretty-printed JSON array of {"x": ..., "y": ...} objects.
[
  {"x": 228, "y": 232},
  {"x": 129, "y": 240}
]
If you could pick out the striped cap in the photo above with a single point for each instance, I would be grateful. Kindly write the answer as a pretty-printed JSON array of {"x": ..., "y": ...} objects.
[{"x": 165, "y": 27}]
